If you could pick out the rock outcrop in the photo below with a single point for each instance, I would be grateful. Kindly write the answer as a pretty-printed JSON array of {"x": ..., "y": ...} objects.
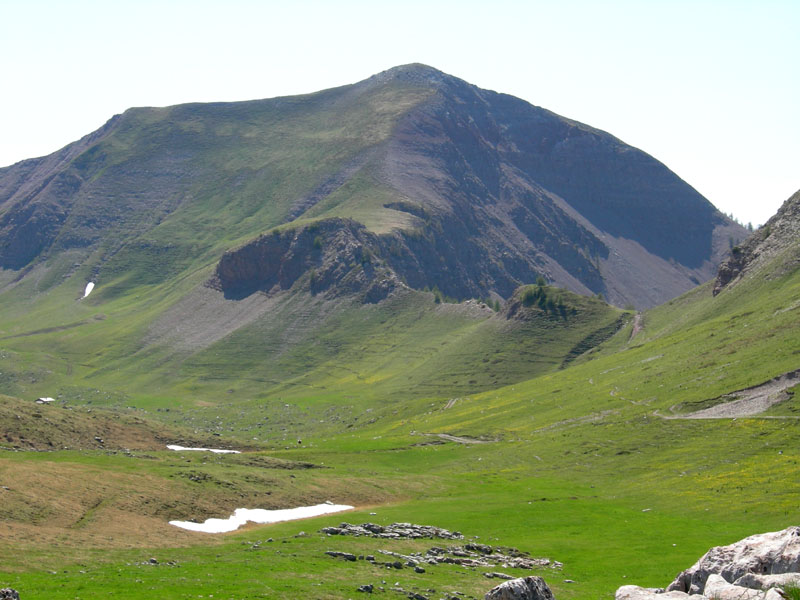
[
  {"x": 524, "y": 588},
  {"x": 9, "y": 594},
  {"x": 777, "y": 236},
  {"x": 764, "y": 554},
  {"x": 754, "y": 568},
  {"x": 333, "y": 257}
]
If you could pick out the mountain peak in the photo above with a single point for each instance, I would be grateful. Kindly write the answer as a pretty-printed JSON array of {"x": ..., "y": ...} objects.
[{"x": 414, "y": 73}]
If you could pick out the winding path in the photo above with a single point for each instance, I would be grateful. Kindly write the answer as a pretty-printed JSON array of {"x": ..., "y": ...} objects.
[{"x": 749, "y": 402}]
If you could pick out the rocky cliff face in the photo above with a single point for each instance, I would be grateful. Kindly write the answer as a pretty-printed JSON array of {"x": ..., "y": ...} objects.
[
  {"x": 777, "y": 238},
  {"x": 334, "y": 257}
]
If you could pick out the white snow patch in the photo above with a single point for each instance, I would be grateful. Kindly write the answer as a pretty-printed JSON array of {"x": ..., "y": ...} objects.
[
  {"x": 259, "y": 515},
  {"x": 89, "y": 288},
  {"x": 215, "y": 450}
]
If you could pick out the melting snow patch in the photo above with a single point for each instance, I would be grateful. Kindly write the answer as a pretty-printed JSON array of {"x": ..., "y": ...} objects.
[
  {"x": 215, "y": 450},
  {"x": 259, "y": 515},
  {"x": 89, "y": 288}
]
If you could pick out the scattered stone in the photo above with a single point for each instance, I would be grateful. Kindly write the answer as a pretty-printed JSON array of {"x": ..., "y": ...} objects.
[
  {"x": 524, "y": 588},
  {"x": 471, "y": 555},
  {"x": 393, "y": 531},
  {"x": 342, "y": 555},
  {"x": 9, "y": 594},
  {"x": 367, "y": 588},
  {"x": 153, "y": 561},
  {"x": 764, "y": 554}
]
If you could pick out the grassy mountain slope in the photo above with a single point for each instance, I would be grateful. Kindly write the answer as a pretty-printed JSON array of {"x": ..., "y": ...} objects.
[
  {"x": 184, "y": 182},
  {"x": 324, "y": 353},
  {"x": 591, "y": 465}
]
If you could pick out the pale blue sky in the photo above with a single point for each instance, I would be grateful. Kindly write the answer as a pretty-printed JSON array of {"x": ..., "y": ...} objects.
[{"x": 711, "y": 88}]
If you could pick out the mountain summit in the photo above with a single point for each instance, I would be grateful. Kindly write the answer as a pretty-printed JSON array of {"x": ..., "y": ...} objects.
[{"x": 441, "y": 183}]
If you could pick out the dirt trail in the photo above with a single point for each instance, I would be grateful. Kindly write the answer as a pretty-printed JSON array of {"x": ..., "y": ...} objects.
[
  {"x": 637, "y": 325},
  {"x": 749, "y": 401},
  {"x": 458, "y": 439}
]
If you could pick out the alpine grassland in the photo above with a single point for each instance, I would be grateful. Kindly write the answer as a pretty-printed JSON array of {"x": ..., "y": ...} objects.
[{"x": 443, "y": 414}]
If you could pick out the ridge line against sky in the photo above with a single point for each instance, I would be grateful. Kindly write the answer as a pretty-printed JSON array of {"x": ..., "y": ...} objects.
[{"x": 708, "y": 87}]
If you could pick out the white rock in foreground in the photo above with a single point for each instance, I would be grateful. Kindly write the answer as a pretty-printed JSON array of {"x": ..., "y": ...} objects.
[
  {"x": 764, "y": 554},
  {"x": 764, "y": 582},
  {"x": 259, "y": 515},
  {"x": 215, "y": 450},
  {"x": 634, "y": 592},
  {"x": 719, "y": 589}
]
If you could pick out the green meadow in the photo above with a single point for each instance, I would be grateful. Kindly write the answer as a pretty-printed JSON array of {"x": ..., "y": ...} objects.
[{"x": 558, "y": 433}]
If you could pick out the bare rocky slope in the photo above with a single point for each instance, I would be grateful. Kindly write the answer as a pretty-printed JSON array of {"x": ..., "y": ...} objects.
[
  {"x": 777, "y": 239},
  {"x": 410, "y": 176}
]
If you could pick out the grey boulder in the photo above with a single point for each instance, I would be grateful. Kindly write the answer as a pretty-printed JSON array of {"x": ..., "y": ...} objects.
[{"x": 523, "y": 588}]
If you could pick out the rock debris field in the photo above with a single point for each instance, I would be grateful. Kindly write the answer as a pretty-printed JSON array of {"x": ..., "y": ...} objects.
[{"x": 470, "y": 554}]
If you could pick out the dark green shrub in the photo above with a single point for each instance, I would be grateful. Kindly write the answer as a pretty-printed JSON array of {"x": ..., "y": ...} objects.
[{"x": 530, "y": 295}]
